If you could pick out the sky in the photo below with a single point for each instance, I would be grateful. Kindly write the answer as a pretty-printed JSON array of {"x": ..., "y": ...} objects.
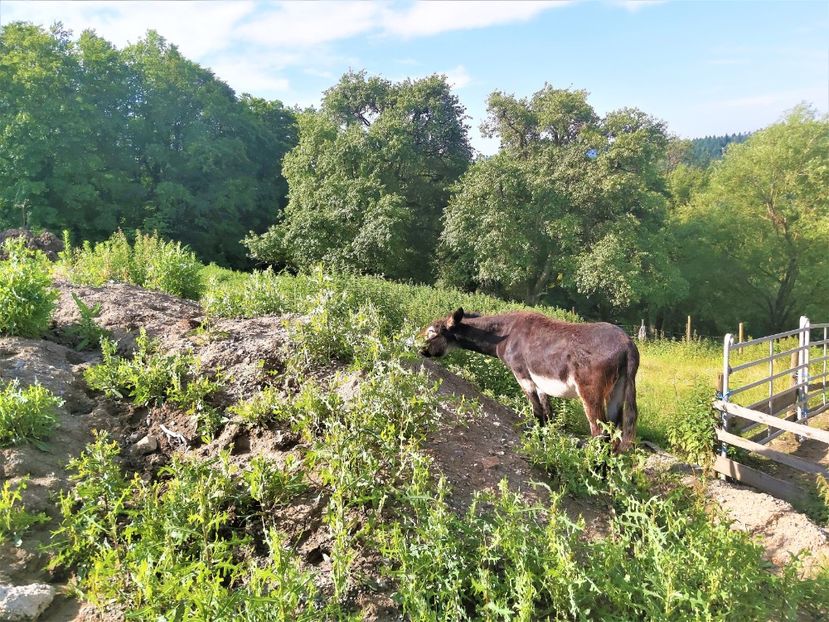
[{"x": 703, "y": 67}]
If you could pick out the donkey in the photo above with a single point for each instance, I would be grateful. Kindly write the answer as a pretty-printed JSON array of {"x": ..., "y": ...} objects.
[{"x": 551, "y": 358}]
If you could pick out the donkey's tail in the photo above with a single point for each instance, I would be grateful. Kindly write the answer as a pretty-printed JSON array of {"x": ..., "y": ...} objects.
[{"x": 630, "y": 411}]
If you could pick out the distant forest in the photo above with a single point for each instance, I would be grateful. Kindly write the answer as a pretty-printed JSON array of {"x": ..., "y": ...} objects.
[
  {"x": 609, "y": 215},
  {"x": 705, "y": 150}
]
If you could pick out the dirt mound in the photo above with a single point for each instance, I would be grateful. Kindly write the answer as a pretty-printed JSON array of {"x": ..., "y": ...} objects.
[
  {"x": 473, "y": 453},
  {"x": 47, "y": 242}
]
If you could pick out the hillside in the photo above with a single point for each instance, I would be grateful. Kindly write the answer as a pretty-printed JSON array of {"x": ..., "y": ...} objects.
[{"x": 360, "y": 506}]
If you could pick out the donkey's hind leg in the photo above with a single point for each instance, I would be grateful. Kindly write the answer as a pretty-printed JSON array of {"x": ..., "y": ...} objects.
[
  {"x": 594, "y": 409},
  {"x": 546, "y": 408},
  {"x": 616, "y": 402}
]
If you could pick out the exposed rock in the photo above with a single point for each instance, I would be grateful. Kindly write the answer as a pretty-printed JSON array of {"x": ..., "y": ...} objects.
[
  {"x": 24, "y": 602},
  {"x": 46, "y": 242},
  {"x": 146, "y": 445}
]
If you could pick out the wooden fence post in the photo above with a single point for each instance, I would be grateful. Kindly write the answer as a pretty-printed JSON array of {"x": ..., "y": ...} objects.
[
  {"x": 688, "y": 330},
  {"x": 741, "y": 333}
]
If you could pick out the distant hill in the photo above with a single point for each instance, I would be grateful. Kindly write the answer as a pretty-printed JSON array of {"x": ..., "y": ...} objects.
[{"x": 703, "y": 151}]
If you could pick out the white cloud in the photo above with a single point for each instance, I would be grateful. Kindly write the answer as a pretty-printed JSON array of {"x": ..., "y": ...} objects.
[
  {"x": 458, "y": 77},
  {"x": 431, "y": 18},
  {"x": 635, "y": 6},
  {"x": 197, "y": 28},
  {"x": 305, "y": 24}
]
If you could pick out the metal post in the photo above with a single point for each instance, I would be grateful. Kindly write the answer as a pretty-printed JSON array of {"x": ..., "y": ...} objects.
[
  {"x": 804, "y": 339},
  {"x": 728, "y": 341}
]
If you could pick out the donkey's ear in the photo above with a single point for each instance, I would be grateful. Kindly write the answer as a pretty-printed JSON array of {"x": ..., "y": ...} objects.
[{"x": 456, "y": 318}]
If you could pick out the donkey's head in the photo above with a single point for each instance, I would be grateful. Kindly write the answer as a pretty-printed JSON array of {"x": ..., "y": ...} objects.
[{"x": 439, "y": 335}]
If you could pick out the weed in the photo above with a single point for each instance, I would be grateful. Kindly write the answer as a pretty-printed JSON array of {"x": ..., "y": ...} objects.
[
  {"x": 149, "y": 261},
  {"x": 151, "y": 377},
  {"x": 691, "y": 433},
  {"x": 26, "y": 415},
  {"x": 27, "y": 297},
  {"x": 272, "y": 484},
  {"x": 86, "y": 333},
  {"x": 14, "y": 519},
  {"x": 168, "y": 550}
]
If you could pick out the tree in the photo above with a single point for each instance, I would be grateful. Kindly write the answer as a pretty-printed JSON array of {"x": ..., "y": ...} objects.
[
  {"x": 754, "y": 240},
  {"x": 370, "y": 178},
  {"x": 571, "y": 210},
  {"x": 93, "y": 139}
]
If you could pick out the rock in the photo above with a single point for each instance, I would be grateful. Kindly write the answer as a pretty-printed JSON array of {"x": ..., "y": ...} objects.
[
  {"x": 46, "y": 242},
  {"x": 25, "y": 602},
  {"x": 146, "y": 445}
]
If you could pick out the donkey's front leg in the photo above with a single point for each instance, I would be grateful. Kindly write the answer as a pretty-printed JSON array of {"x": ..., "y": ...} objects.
[{"x": 530, "y": 390}]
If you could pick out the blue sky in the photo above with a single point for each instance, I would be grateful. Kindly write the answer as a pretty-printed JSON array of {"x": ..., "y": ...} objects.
[{"x": 702, "y": 67}]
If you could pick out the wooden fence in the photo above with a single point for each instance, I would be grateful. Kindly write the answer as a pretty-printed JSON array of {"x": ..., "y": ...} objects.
[{"x": 802, "y": 353}]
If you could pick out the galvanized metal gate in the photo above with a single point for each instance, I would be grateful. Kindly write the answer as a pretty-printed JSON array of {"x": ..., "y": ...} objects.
[{"x": 778, "y": 411}]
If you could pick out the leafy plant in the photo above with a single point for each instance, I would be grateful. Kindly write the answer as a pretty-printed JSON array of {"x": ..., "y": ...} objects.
[
  {"x": 27, "y": 297},
  {"x": 691, "y": 434},
  {"x": 149, "y": 261},
  {"x": 86, "y": 333},
  {"x": 26, "y": 414},
  {"x": 170, "y": 550},
  {"x": 14, "y": 519}
]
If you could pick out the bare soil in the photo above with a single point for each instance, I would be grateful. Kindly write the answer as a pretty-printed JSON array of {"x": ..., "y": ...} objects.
[{"x": 473, "y": 453}]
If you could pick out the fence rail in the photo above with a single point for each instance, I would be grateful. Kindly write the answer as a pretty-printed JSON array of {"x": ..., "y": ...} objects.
[{"x": 779, "y": 411}]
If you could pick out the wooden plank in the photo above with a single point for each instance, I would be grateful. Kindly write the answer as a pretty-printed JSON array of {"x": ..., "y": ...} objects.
[
  {"x": 778, "y": 456},
  {"x": 763, "y": 481},
  {"x": 780, "y": 402},
  {"x": 774, "y": 422}
]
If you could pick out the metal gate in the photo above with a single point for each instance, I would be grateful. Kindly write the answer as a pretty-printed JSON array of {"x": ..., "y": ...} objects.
[{"x": 751, "y": 426}]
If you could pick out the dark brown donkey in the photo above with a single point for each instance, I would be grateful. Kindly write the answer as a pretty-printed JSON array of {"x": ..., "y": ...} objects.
[{"x": 551, "y": 358}]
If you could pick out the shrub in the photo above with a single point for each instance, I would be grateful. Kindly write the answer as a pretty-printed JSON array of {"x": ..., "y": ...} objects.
[
  {"x": 27, "y": 414},
  {"x": 27, "y": 297},
  {"x": 14, "y": 519},
  {"x": 691, "y": 433},
  {"x": 149, "y": 262}
]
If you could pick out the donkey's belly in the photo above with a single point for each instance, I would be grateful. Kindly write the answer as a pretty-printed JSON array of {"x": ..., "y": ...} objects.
[{"x": 556, "y": 387}]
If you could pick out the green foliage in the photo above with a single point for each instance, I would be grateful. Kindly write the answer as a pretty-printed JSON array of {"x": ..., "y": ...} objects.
[
  {"x": 570, "y": 210},
  {"x": 14, "y": 519},
  {"x": 367, "y": 443},
  {"x": 272, "y": 484},
  {"x": 178, "y": 556},
  {"x": 26, "y": 415},
  {"x": 150, "y": 262},
  {"x": 261, "y": 408},
  {"x": 156, "y": 141},
  {"x": 760, "y": 225},
  {"x": 691, "y": 433},
  {"x": 86, "y": 333},
  {"x": 370, "y": 178},
  {"x": 27, "y": 297},
  {"x": 151, "y": 377},
  {"x": 663, "y": 559}
]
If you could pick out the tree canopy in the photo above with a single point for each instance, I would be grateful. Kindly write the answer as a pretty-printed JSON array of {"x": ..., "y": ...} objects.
[
  {"x": 93, "y": 138},
  {"x": 754, "y": 240},
  {"x": 370, "y": 178},
  {"x": 570, "y": 211}
]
